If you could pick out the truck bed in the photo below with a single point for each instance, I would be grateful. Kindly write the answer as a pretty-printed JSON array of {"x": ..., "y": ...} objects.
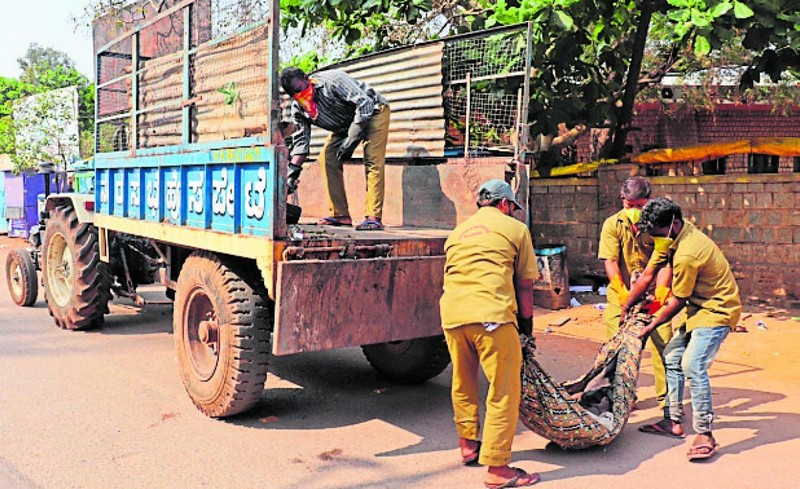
[
  {"x": 388, "y": 284},
  {"x": 389, "y": 233},
  {"x": 310, "y": 241}
]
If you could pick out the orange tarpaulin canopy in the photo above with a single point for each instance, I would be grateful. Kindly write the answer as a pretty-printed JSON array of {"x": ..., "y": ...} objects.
[{"x": 710, "y": 151}]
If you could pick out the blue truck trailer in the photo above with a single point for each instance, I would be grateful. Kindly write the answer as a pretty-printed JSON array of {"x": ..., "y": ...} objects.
[{"x": 190, "y": 192}]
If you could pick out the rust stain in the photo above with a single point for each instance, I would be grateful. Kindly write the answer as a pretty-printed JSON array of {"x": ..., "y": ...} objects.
[
  {"x": 163, "y": 418},
  {"x": 166, "y": 416},
  {"x": 330, "y": 454}
]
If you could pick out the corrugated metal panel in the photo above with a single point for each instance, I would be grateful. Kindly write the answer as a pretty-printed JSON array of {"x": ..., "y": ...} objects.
[{"x": 411, "y": 80}]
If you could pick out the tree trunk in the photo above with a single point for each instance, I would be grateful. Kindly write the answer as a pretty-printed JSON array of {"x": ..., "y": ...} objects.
[{"x": 625, "y": 117}]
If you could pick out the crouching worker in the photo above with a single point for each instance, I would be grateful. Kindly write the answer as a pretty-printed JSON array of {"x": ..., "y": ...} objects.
[
  {"x": 702, "y": 281},
  {"x": 628, "y": 253},
  {"x": 354, "y": 113},
  {"x": 488, "y": 293}
]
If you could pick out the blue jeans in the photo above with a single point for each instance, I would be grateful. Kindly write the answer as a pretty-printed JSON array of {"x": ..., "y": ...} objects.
[{"x": 687, "y": 357}]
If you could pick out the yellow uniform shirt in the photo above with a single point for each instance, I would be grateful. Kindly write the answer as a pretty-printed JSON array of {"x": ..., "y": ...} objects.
[
  {"x": 702, "y": 276},
  {"x": 631, "y": 250},
  {"x": 485, "y": 254}
]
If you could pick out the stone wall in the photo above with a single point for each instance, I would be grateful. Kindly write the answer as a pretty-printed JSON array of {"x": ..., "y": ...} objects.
[
  {"x": 755, "y": 220},
  {"x": 565, "y": 211}
]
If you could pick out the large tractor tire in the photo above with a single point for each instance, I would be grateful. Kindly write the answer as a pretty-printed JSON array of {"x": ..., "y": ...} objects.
[
  {"x": 221, "y": 325},
  {"x": 77, "y": 285},
  {"x": 410, "y": 361},
  {"x": 21, "y": 277}
]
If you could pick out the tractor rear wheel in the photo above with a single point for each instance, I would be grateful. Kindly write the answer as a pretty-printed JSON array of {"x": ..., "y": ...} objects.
[
  {"x": 221, "y": 329},
  {"x": 410, "y": 361},
  {"x": 77, "y": 285}
]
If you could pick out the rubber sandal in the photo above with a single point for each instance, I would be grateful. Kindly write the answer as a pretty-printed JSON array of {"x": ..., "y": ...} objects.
[
  {"x": 472, "y": 458},
  {"x": 370, "y": 225},
  {"x": 709, "y": 450},
  {"x": 657, "y": 429},
  {"x": 515, "y": 481},
  {"x": 332, "y": 221}
]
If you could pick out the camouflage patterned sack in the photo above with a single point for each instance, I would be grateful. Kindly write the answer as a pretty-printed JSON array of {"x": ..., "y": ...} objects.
[{"x": 550, "y": 409}]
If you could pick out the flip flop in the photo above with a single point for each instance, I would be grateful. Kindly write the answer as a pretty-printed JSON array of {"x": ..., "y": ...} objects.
[
  {"x": 515, "y": 481},
  {"x": 709, "y": 450},
  {"x": 657, "y": 429},
  {"x": 370, "y": 225},
  {"x": 333, "y": 221},
  {"x": 472, "y": 458}
]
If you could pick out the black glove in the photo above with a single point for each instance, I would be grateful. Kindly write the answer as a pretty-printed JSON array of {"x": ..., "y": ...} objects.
[
  {"x": 354, "y": 136},
  {"x": 293, "y": 178},
  {"x": 525, "y": 325}
]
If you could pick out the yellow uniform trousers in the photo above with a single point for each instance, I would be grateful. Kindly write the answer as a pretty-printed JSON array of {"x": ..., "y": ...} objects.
[
  {"x": 499, "y": 354},
  {"x": 377, "y": 134},
  {"x": 658, "y": 340}
]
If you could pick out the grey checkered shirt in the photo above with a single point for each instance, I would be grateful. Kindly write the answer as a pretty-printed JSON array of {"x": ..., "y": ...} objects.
[{"x": 341, "y": 101}]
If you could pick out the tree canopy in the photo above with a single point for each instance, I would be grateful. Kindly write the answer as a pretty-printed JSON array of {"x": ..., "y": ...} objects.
[
  {"x": 44, "y": 69},
  {"x": 588, "y": 55}
]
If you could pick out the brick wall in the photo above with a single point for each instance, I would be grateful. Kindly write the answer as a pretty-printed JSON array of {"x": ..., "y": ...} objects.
[
  {"x": 755, "y": 219},
  {"x": 565, "y": 211},
  {"x": 658, "y": 126}
]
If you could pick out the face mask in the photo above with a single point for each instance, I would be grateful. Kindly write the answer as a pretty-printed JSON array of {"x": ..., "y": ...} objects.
[
  {"x": 661, "y": 244},
  {"x": 306, "y": 101},
  {"x": 633, "y": 214}
]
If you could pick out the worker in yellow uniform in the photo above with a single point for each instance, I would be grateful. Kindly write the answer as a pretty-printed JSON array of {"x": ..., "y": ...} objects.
[
  {"x": 489, "y": 272},
  {"x": 702, "y": 281},
  {"x": 626, "y": 252}
]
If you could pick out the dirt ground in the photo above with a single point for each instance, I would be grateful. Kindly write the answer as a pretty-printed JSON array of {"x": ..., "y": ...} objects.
[
  {"x": 327, "y": 421},
  {"x": 756, "y": 397}
]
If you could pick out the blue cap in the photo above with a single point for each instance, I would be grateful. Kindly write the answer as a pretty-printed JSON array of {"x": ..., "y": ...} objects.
[{"x": 495, "y": 190}]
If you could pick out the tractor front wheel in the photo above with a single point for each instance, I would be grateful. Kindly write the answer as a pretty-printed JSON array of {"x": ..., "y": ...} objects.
[{"x": 21, "y": 277}]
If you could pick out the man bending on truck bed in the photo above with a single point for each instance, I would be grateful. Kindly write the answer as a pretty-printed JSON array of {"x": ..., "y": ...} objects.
[{"x": 353, "y": 112}]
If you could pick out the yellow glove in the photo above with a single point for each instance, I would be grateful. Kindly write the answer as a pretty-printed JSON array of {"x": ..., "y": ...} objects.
[
  {"x": 662, "y": 293},
  {"x": 617, "y": 286}
]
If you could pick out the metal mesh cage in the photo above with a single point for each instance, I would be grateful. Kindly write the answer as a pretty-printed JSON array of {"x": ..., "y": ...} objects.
[
  {"x": 484, "y": 77},
  {"x": 202, "y": 74},
  {"x": 490, "y": 54}
]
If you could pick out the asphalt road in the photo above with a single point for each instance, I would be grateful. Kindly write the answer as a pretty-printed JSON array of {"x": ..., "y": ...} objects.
[{"x": 106, "y": 409}]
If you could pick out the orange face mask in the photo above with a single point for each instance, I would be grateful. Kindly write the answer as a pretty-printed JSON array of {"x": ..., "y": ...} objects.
[{"x": 306, "y": 101}]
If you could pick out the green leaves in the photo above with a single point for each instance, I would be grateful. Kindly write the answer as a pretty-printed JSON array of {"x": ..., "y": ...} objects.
[
  {"x": 742, "y": 11},
  {"x": 701, "y": 46},
  {"x": 230, "y": 92},
  {"x": 564, "y": 19},
  {"x": 720, "y": 9}
]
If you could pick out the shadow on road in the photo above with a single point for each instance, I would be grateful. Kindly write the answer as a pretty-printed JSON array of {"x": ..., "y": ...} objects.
[
  {"x": 127, "y": 319},
  {"x": 337, "y": 389}
]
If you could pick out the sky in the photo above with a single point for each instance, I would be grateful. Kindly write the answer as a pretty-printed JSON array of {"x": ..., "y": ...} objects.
[{"x": 48, "y": 23}]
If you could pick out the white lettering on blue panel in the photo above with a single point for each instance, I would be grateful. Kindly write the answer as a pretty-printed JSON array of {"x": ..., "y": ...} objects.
[
  {"x": 119, "y": 191},
  {"x": 196, "y": 194},
  {"x": 152, "y": 193},
  {"x": 224, "y": 194},
  {"x": 255, "y": 197},
  {"x": 104, "y": 189},
  {"x": 135, "y": 186},
  {"x": 173, "y": 187}
]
